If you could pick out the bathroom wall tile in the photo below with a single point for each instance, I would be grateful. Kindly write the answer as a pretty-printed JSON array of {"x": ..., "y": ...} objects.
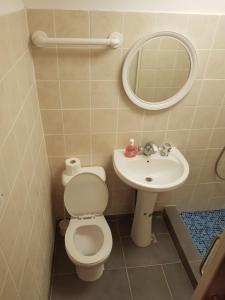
[
  {"x": 125, "y": 117},
  {"x": 104, "y": 94},
  {"x": 219, "y": 42},
  {"x": 77, "y": 144},
  {"x": 103, "y": 120},
  {"x": 123, "y": 139},
  {"x": 19, "y": 33},
  {"x": 202, "y": 39},
  {"x": 202, "y": 56},
  {"x": 217, "y": 138},
  {"x": 155, "y": 120},
  {"x": 137, "y": 25},
  {"x": 212, "y": 92},
  {"x": 6, "y": 57},
  {"x": 45, "y": 63},
  {"x": 52, "y": 121},
  {"x": 73, "y": 24},
  {"x": 48, "y": 94},
  {"x": 205, "y": 117},
  {"x": 9, "y": 291},
  {"x": 103, "y": 143},
  {"x": 177, "y": 138},
  {"x": 75, "y": 94},
  {"x": 180, "y": 117},
  {"x": 41, "y": 19},
  {"x": 216, "y": 65},
  {"x": 55, "y": 144},
  {"x": 172, "y": 22},
  {"x": 76, "y": 121},
  {"x": 195, "y": 157},
  {"x": 201, "y": 196},
  {"x": 192, "y": 97},
  {"x": 103, "y": 23},
  {"x": 105, "y": 65},
  {"x": 220, "y": 123},
  {"x": 73, "y": 64},
  {"x": 199, "y": 139},
  {"x": 57, "y": 165},
  {"x": 207, "y": 174},
  {"x": 158, "y": 137}
]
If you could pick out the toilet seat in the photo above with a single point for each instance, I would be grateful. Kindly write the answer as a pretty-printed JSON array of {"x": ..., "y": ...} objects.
[{"x": 76, "y": 254}]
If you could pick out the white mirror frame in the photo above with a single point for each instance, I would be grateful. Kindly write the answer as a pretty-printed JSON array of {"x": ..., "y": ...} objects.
[{"x": 181, "y": 93}]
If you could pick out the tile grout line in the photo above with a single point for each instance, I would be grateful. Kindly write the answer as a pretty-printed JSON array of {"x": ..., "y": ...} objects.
[
  {"x": 124, "y": 260},
  {"x": 167, "y": 283}
]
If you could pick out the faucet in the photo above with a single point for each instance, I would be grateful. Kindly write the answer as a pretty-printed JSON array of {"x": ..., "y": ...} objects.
[{"x": 150, "y": 148}]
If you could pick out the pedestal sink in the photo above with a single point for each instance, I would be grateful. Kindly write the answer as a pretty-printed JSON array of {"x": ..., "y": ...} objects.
[{"x": 150, "y": 176}]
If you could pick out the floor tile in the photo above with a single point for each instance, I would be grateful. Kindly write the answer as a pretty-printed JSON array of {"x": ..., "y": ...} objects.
[
  {"x": 113, "y": 285},
  {"x": 158, "y": 225},
  {"x": 62, "y": 264},
  {"x": 148, "y": 283},
  {"x": 115, "y": 260},
  {"x": 161, "y": 252},
  {"x": 178, "y": 281}
]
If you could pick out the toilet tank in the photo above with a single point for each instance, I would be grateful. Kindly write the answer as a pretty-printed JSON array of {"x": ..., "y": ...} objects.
[{"x": 99, "y": 171}]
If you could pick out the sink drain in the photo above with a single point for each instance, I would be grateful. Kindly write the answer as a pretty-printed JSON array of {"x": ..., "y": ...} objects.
[{"x": 148, "y": 179}]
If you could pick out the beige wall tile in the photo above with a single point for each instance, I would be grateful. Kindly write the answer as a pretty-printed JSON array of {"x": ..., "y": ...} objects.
[
  {"x": 172, "y": 22},
  {"x": 73, "y": 24},
  {"x": 217, "y": 140},
  {"x": 199, "y": 139},
  {"x": 202, "y": 39},
  {"x": 55, "y": 145},
  {"x": 73, "y": 64},
  {"x": 104, "y": 120},
  {"x": 155, "y": 120},
  {"x": 45, "y": 63},
  {"x": 180, "y": 117},
  {"x": 205, "y": 117},
  {"x": 105, "y": 65},
  {"x": 103, "y": 143},
  {"x": 137, "y": 25},
  {"x": 219, "y": 42},
  {"x": 103, "y": 23},
  {"x": 158, "y": 137},
  {"x": 9, "y": 291},
  {"x": 123, "y": 139},
  {"x": 52, "y": 121},
  {"x": 212, "y": 92},
  {"x": 75, "y": 94},
  {"x": 104, "y": 94},
  {"x": 41, "y": 19},
  {"x": 130, "y": 120},
  {"x": 216, "y": 65},
  {"x": 203, "y": 56},
  {"x": 76, "y": 121},
  {"x": 77, "y": 144},
  {"x": 221, "y": 120},
  {"x": 48, "y": 94},
  {"x": 177, "y": 138}
]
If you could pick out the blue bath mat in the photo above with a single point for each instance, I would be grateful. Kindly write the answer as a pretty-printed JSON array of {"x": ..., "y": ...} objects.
[{"x": 204, "y": 226}]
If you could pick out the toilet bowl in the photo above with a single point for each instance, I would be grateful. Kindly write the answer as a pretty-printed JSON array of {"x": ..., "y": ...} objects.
[{"x": 88, "y": 238}]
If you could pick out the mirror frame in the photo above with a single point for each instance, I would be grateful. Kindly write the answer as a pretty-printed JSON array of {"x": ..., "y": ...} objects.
[{"x": 181, "y": 93}]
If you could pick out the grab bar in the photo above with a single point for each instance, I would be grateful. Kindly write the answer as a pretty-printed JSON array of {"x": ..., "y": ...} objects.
[{"x": 40, "y": 39}]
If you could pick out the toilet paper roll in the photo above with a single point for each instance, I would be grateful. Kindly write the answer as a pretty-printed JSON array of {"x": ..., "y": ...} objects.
[{"x": 72, "y": 165}]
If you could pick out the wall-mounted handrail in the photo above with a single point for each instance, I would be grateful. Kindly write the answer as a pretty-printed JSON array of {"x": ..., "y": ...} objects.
[{"x": 40, "y": 39}]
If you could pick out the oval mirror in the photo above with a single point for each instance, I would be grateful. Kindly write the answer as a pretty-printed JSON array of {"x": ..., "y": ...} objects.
[{"x": 159, "y": 70}]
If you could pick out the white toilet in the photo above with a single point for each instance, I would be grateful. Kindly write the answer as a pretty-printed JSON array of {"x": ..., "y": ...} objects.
[{"x": 88, "y": 238}]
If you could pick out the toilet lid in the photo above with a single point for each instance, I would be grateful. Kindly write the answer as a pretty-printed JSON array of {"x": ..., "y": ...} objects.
[{"x": 85, "y": 193}]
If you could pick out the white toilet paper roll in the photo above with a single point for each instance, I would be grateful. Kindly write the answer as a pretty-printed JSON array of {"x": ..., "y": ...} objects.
[{"x": 72, "y": 165}]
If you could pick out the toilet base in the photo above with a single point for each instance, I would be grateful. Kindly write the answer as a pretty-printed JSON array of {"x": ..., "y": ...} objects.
[{"x": 90, "y": 273}]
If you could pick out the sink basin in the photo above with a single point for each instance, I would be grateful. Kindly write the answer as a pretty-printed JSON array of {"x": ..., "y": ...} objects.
[
  {"x": 149, "y": 175},
  {"x": 156, "y": 173}
]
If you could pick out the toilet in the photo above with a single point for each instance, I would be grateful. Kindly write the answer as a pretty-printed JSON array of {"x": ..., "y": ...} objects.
[{"x": 88, "y": 238}]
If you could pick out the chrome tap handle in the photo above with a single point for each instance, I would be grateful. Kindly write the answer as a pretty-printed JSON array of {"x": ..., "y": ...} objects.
[
  {"x": 150, "y": 148},
  {"x": 165, "y": 149}
]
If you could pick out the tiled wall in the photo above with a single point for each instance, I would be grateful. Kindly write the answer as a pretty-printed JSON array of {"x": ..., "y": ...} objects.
[
  {"x": 26, "y": 229},
  {"x": 85, "y": 112}
]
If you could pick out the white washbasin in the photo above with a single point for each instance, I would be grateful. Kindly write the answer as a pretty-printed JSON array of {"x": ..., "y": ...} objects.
[{"x": 155, "y": 173}]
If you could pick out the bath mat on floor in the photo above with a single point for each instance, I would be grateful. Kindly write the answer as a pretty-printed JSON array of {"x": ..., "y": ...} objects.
[{"x": 204, "y": 226}]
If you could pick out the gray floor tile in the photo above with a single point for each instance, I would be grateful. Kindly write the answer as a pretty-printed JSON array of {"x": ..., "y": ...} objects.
[
  {"x": 115, "y": 260},
  {"x": 158, "y": 225},
  {"x": 62, "y": 264},
  {"x": 178, "y": 281},
  {"x": 113, "y": 285},
  {"x": 163, "y": 251},
  {"x": 148, "y": 283}
]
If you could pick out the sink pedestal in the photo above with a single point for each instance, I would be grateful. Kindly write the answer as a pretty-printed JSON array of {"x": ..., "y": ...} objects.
[{"x": 141, "y": 232}]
